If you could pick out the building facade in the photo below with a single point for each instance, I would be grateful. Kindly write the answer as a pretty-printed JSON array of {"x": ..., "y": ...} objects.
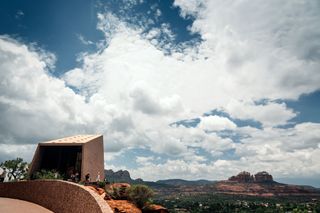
[{"x": 80, "y": 154}]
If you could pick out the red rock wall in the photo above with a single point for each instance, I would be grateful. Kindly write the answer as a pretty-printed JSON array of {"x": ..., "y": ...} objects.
[{"x": 56, "y": 195}]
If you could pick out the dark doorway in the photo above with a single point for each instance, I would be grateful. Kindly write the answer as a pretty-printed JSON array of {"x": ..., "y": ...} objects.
[{"x": 61, "y": 158}]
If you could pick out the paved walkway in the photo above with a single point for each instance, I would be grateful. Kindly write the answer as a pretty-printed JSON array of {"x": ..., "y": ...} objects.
[{"x": 8, "y": 205}]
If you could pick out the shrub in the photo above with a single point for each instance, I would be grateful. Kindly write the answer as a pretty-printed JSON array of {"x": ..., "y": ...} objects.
[
  {"x": 115, "y": 193},
  {"x": 118, "y": 191},
  {"x": 140, "y": 195},
  {"x": 101, "y": 184},
  {"x": 47, "y": 174}
]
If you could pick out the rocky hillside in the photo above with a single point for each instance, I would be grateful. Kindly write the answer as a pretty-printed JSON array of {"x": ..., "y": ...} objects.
[{"x": 259, "y": 184}]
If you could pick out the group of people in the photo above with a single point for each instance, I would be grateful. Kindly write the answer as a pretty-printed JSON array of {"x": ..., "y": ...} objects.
[
  {"x": 88, "y": 178},
  {"x": 73, "y": 175}
]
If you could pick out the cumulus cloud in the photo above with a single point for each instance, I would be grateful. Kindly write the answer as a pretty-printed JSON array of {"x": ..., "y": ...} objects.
[
  {"x": 144, "y": 160},
  {"x": 217, "y": 145},
  {"x": 302, "y": 136},
  {"x": 34, "y": 105},
  {"x": 270, "y": 48},
  {"x": 216, "y": 123},
  {"x": 150, "y": 104},
  {"x": 269, "y": 114}
]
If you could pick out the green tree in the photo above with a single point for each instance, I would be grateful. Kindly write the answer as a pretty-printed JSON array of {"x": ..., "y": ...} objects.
[
  {"x": 140, "y": 195},
  {"x": 16, "y": 169}
]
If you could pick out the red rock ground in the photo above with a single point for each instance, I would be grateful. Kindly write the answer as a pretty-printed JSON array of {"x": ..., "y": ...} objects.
[{"x": 123, "y": 206}]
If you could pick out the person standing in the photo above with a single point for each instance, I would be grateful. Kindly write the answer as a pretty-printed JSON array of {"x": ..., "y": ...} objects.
[
  {"x": 98, "y": 177},
  {"x": 88, "y": 179}
]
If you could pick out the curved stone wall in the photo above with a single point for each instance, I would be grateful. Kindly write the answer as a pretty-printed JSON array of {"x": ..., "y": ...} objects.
[{"x": 56, "y": 195}]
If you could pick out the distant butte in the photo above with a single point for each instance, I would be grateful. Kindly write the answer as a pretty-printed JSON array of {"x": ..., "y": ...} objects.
[{"x": 246, "y": 177}]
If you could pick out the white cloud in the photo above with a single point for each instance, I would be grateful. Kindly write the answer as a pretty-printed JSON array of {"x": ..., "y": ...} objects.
[
  {"x": 300, "y": 137},
  {"x": 144, "y": 160},
  {"x": 171, "y": 169},
  {"x": 166, "y": 144},
  {"x": 269, "y": 114},
  {"x": 10, "y": 151},
  {"x": 188, "y": 7},
  {"x": 35, "y": 105},
  {"x": 217, "y": 145},
  {"x": 150, "y": 104},
  {"x": 268, "y": 48},
  {"x": 216, "y": 123}
]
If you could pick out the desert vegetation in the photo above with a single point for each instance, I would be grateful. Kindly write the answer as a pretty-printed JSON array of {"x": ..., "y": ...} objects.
[
  {"x": 15, "y": 169},
  {"x": 141, "y": 195},
  {"x": 47, "y": 174}
]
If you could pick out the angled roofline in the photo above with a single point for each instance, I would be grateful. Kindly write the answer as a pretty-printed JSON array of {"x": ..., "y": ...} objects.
[{"x": 73, "y": 140}]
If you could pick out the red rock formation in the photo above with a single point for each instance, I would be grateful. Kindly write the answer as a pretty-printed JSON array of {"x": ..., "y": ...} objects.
[
  {"x": 264, "y": 176},
  {"x": 242, "y": 177},
  {"x": 246, "y": 177}
]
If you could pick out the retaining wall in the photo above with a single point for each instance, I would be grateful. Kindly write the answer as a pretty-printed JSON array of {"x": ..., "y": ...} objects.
[{"x": 56, "y": 195}]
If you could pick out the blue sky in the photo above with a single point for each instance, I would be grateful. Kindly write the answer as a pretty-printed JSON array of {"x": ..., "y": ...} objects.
[{"x": 187, "y": 89}]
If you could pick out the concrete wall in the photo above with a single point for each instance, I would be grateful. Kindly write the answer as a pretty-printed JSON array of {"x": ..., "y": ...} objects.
[
  {"x": 56, "y": 195},
  {"x": 93, "y": 159}
]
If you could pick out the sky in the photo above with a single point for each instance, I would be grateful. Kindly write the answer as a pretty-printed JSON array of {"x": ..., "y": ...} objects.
[{"x": 179, "y": 89}]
